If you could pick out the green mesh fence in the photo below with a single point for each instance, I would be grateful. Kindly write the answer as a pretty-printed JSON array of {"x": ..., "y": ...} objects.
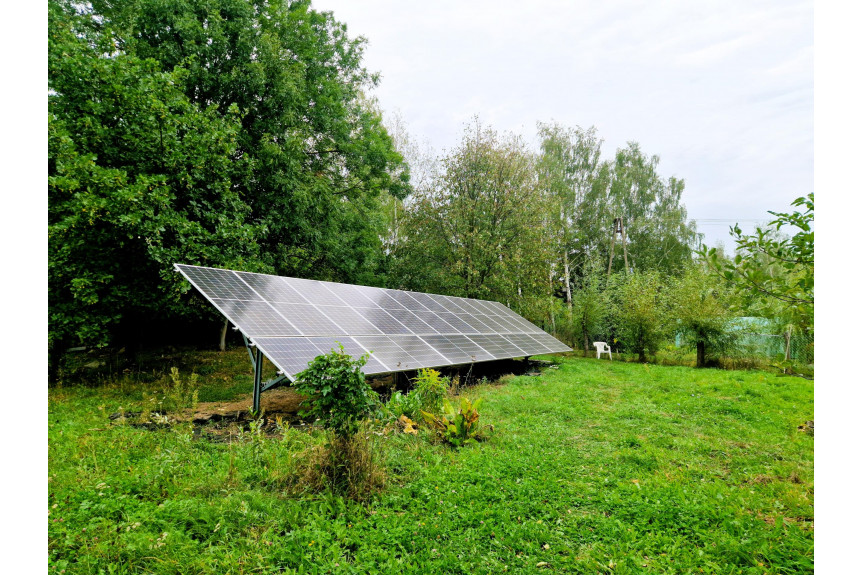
[{"x": 772, "y": 346}]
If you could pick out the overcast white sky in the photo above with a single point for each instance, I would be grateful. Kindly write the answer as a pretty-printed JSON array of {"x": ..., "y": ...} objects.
[{"x": 721, "y": 91}]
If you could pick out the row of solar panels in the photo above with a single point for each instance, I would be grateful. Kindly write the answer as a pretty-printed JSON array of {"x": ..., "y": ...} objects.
[
  {"x": 279, "y": 306},
  {"x": 294, "y": 320}
]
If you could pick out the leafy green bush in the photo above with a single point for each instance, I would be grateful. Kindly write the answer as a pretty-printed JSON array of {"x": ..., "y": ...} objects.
[
  {"x": 338, "y": 395},
  {"x": 400, "y": 404},
  {"x": 337, "y": 392},
  {"x": 431, "y": 390},
  {"x": 640, "y": 312},
  {"x": 456, "y": 428}
]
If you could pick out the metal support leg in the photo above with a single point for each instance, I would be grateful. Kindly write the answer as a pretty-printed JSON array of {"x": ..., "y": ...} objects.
[{"x": 259, "y": 367}]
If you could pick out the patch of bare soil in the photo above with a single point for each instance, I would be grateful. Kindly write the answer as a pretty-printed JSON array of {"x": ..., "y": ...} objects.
[{"x": 281, "y": 401}]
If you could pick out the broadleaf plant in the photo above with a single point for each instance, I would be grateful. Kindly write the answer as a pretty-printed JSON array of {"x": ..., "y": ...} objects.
[{"x": 337, "y": 392}]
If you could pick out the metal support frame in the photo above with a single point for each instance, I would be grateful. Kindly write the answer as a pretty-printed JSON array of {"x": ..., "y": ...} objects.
[{"x": 257, "y": 357}]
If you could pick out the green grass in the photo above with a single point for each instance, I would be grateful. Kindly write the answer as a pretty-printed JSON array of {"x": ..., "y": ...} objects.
[{"x": 594, "y": 467}]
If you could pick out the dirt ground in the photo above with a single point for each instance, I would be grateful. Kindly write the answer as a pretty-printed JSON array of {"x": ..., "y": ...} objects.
[{"x": 281, "y": 402}]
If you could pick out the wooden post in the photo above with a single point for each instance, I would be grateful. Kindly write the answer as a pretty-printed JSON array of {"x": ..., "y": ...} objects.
[{"x": 223, "y": 335}]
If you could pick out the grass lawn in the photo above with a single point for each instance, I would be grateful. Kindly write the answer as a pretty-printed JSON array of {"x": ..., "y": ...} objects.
[{"x": 595, "y": 467}]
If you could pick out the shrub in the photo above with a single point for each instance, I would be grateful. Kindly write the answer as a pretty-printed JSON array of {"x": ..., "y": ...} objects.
[
  {"x": 179, "y": 394},
  {"x": 431, "y": 389},
  {"x": 337, "y": 392},
  {"x": 400, "y": 404},
  {"x": 345, "y": 465},
  {"x": 640, "y": 312},
  {"x": 338, "y": 395}
]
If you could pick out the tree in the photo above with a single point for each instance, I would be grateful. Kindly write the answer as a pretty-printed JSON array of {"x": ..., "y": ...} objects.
[
  {"x": 640, "y": 311},
  {"x": 138, "y": 178},
  {"x": 589, "y": 311},
  {"x": 658, "y": 235},
  {"x": 231, "y": 133},
  {"x": 773, "y": 270},
  {"x": 478, "y": 230},
  {"x": 589, "y": 194},
  {"x": 316, "y": 159},
  {"x": 568, "y": 169},
  {"x": 702, "y": 309}
]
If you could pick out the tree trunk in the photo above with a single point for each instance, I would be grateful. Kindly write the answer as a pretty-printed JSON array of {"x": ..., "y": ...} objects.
[
  {"x": 222, "y": 337},
  {"x": 551, "y": 297},
  {"x": 566, "y": 276},
  {"x": 699, "y": 354},
  {"x": 55, "y": 361},
  {"x": 787, "y": 348},
  {"x": 586, "y": 343}
]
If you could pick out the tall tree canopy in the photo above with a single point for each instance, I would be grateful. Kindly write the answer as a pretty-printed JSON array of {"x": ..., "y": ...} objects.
[
  {"x": 477, "y": 229},
  {"x": 221, "y": 132},
  {"x": 590, "y": 193}
]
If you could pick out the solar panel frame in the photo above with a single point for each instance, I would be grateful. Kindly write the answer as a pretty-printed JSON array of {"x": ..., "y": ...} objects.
[
  {"x": 476, "y": 323},
  {"x": 449, "y": 347},
  {"x": 315, "y": 292},
  {"x": 354, "y": 349},
  {"x": 291, "y": 354},
  {"x": 427, "y": 301},
  {"x": 527, "y": 344},
  {"x": 384, "y": 321},
  {"x": 388, "y": 351},
  {"x": 350, "y": 320},
  {"x": 405, "y": 299},
  {"x": 291, "y": 318},
  {"x": 460, "y": 326}
]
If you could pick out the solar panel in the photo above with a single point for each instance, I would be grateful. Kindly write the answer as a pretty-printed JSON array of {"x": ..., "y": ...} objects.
[
  {"x": 271, "y": 288},
  {"x": 293, "y": 320},
  {"x": 255, "y": 318}
]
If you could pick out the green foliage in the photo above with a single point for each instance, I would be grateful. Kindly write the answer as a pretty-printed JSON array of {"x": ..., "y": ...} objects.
[
  {"x": 456, "y": 428},
  {"x": 658, "y": 234},
  {"x": 337, "y": 392},
  {"x": 702, "y": 309},
  {"x": 477, "y": 229},
  {"x": 316, "y": 160},
  {"x": 587, "y": 194},
  {"x": 138, "y": 177},
  {"x": 431, "y": 389},
  {"x": 589, "y": 311},
  {"x": 180, "y": 394},
  {"x": 640, "y": 313},
  {"x": 347, "y": 466},
  {"x": 772, "y": 271},
  {"x": 230, "y": 133},
  {"x": 400, "y": 404}
]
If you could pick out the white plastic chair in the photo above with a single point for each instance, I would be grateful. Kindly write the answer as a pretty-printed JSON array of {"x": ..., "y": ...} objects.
[{"x": 602, "y": 347}]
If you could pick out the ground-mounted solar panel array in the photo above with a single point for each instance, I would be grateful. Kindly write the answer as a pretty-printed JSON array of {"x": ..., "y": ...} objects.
[{"x": 294, "y": 320}]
